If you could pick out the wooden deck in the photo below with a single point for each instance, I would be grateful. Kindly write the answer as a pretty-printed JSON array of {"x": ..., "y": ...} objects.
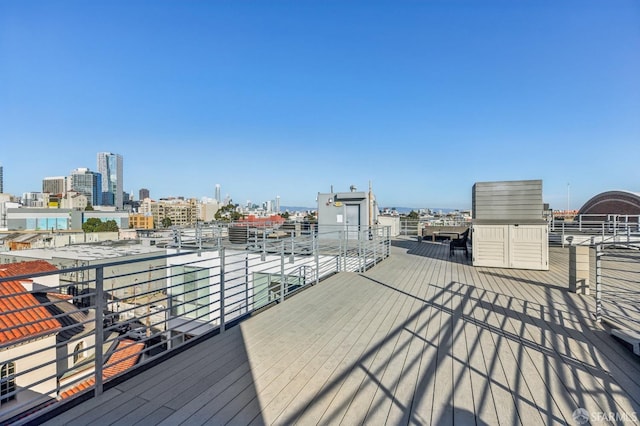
[{"x": 422, "y": 338}]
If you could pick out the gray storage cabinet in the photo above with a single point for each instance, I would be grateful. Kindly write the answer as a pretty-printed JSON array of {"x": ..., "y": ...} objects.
[{"x": 508, "y": 229}]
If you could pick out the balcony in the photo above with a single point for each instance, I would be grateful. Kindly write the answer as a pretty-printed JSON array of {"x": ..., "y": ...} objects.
[{"x": 379, "y": 331}]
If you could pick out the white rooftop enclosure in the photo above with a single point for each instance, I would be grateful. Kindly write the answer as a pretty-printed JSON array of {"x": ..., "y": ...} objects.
[{"x": 508, "y": 227}]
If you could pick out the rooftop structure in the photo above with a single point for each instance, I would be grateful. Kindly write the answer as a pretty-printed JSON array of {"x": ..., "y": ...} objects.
[{"x": 612, "y": 202}]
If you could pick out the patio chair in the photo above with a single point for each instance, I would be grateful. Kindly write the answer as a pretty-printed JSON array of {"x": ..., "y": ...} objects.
[{"x": 460, "y": 244}]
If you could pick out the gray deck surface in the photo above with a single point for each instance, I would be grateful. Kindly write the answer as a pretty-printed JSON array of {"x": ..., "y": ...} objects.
[{"x": 422, "y": 338}]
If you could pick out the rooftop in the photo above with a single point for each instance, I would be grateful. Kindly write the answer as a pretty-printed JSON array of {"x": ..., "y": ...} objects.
[
  {"x": 22, "y": 317},
  {"x": 421, "y": 338},
  {"x": 89, "y": 252}
]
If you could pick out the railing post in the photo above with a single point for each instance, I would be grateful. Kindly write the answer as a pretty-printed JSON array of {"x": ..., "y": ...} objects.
[
  {"x": 282, "y": 272},
  {"x": 375, "y": 243},
  {"x": 246, "y": 281},
  {"x": 99, "y": 356},
  {"x": 360, "y": 251},
  {"x": 346, "y": 247},
  {"x": 339, "y": 257},
  {"x": 563, "y": 234},
  {"x": 222, "y": 262},
  {"x": 599, "y": 253},
  {"x": 316, "y": 248},
  {"x": 291, "y": 256}
]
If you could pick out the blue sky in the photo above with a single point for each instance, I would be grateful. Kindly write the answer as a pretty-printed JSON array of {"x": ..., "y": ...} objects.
[{"x": 266, "y": 98}]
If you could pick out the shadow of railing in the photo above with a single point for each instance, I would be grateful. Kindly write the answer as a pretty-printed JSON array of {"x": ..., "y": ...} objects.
[{"x": 506, "y": 328}]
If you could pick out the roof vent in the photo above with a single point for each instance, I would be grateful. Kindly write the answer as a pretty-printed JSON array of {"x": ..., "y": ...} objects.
[{"x": 353, "y": 188}]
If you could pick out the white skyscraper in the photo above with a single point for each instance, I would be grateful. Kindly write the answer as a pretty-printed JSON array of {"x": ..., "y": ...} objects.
[
  {"x": 110, "y": 166},
  {"x": 218, "y": 199}
]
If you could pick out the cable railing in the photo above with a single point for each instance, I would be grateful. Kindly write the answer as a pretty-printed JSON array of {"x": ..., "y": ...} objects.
[{"x": 71, "y": 338}]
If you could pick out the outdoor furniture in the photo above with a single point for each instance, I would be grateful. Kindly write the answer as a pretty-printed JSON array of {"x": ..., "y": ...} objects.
[
  {"x": 444, "y": 234},
  {"x": 460, "y": 244}
]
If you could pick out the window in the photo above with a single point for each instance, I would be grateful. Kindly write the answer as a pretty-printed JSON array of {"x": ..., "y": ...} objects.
[
  {"x": 7, "y": 382},
  {"x": 266, "y": 287},
  {"x": 190, "y": 292},
  {"x": 78, "y": 352}
]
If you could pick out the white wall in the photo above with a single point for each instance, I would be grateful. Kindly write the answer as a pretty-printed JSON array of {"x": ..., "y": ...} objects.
[{"x": 31, "y": 355}]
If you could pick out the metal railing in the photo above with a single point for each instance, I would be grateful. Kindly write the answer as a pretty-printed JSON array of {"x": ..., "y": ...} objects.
[
  {"x": 409, "y": 227},
  {"x": 59, "y": 341},
  {"x": 594, "y": 229},
  {"x": 617, "y": 274}
]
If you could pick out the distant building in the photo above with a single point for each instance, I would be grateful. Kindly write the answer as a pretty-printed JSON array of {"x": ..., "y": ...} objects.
[
  {"x": 143, "y": 193},
  {"x": 89, "y": 183},
  {"x": 180, "y": 211},
  {"x": 73, "y": 200},
  {"x": 54, "y": 185},
  {"x": 218, "y": 199},
  {"x": 141, "y": 221},
  {"x": 46, "y": 219},
  {"x": 111, "y": 168},
  {"x": 612, "y": 202},
  {"x": 1, "y": 180},
  {"x": 207, "y": 210},
  {"x": 35, "y": 199},
  {"x": 34, "y": 219}
]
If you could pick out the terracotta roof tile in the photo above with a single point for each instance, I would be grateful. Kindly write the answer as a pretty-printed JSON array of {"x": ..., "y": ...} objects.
[
  {"x": 125, "y": 356},
  {"x": 21, "y": 315}
]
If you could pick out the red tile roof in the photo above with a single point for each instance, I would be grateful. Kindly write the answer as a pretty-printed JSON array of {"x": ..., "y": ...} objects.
[
  {"x": 259, "y": 220},
  {"x": 21, "y": 315},
  {"x": 125, "y": 357}
]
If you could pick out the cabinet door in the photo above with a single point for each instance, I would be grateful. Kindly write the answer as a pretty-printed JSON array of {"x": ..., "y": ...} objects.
[
  {"x": 528, "y": 248},
  {"x": 490, "y": 244}
]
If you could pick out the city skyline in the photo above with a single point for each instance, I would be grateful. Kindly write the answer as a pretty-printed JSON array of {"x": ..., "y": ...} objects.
[{"x": 421, "y": 99}]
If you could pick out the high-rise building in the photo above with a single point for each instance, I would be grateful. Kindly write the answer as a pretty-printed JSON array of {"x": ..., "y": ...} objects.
[
  {"x": 88, "y": 183},
  {"x": 110, "y": 167},
  {"x": 277, "y": 204},
  {"x": 55, "y": 185},
  {"x": 218, "y": 199},
  {"x": 143, "y": 193},
  {"x": 1, "y": 181}
]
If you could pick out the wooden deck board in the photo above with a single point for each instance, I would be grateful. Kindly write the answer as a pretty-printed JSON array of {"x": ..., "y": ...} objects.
[
  {"x": 370, "y": 401},
  {"x": 480, "y": 389},
  {"x": 422, "y": 338}
]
